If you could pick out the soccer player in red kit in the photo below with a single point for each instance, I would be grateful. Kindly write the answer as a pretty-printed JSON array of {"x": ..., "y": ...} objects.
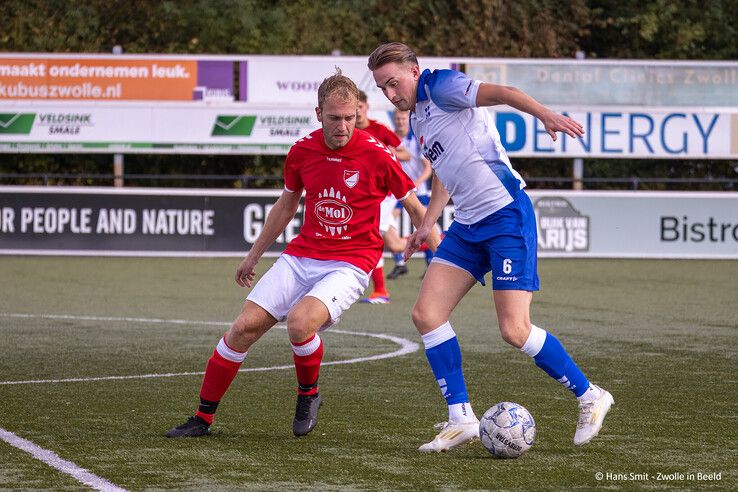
[
  {"x": 392, "y": 239},
  {"x": 345, "y": 173}
]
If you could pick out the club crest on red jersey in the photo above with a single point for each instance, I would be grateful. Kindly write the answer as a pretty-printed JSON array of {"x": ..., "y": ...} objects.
[{"x": 350, "y": 178}]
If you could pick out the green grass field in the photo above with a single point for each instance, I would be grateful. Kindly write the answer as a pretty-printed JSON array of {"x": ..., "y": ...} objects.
[{"x": 662, "y": 336}]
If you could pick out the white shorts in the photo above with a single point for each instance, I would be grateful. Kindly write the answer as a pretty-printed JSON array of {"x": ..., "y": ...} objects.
[
  {"x": 386, "y": 218},
  {"x": 336, "y": 284}
]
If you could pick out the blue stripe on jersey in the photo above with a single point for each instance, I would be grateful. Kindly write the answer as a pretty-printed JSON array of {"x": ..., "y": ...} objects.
[
  {"x": 505, "y": 175},
  {"x": 487, "y": 148},
  {"x": 449, "y": 90}
]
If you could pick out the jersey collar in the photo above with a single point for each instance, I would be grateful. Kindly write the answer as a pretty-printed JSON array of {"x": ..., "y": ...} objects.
[{"x": 422, "y": 95}]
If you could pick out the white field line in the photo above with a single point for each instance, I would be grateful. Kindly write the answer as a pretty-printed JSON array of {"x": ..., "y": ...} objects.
[
  {"x": 55, "y": 461},
  {"x": 406, "y": 347}
]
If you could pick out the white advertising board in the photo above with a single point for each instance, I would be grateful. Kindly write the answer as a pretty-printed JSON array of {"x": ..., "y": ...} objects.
[
  {"x": 295, "y": 82},
  {"x": 204, "y": 128},
  {"x": 196, "y": 104},
  {"x": 625, "y": 133}
]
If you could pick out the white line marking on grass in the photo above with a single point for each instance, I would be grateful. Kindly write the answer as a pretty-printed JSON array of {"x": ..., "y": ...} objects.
[
  {"x": 55, "y": 461},
  {"x": 406, "y": 347},
  {"x": 112, "y": 318}
]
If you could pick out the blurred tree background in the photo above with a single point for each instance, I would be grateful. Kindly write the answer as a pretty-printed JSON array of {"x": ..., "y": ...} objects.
[{"x": 654, "y": 29}]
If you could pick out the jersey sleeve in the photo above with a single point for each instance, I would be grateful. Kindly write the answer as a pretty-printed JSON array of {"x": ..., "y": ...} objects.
[
  {"x": 452, "y": 91},
  {"x": 391, "y": 138},
  {"x": 398, "y": 182},
  {"x": 292, "y": 179}
]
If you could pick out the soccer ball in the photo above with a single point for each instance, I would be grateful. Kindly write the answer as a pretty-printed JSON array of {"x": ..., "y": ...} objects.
[{"x": 507, "y": 430}]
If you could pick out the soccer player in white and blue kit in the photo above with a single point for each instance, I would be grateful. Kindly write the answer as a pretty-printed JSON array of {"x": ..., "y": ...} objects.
[{"x": 494, "y": 229}]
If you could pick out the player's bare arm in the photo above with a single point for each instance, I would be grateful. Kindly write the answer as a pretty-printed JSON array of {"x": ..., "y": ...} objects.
[
  {"x": 427, "y": 171},
  {"x": 493, "y": 94},
  {"x": 417, "y": 213},
  {"x": 426, "y": 230},
  {"x": 281, "y": 214},
  {"x": 401, "y": 152}
]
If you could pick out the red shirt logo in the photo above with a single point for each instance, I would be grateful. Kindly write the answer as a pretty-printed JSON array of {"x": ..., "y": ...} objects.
[
  {"x": 350, "y": 178},
  {"x": 332, "y": 211}
]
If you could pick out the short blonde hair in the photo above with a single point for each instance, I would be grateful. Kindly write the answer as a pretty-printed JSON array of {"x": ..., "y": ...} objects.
[
  {"x": 337, "y": 85},
  {"x": 391, "y": 53}
]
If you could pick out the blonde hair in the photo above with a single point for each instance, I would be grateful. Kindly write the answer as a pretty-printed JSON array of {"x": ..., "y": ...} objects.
[
  {"x": 391, "y": 53},
  {"x": 337, "y": 85}
]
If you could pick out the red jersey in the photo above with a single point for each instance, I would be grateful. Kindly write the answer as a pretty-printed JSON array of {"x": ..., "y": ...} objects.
[
  {"x": 383, "y": 134},
  {"x": 343, "y": 190}
]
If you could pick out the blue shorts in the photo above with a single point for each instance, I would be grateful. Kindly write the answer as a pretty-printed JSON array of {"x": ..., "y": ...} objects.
[
  {"x": 424, "y": 199},
  {"x": 504, "y": 242}
]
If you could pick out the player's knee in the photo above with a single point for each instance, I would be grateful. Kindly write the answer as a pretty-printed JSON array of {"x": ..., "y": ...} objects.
[
  {"x": 299, "y": 328},
  {"x": 241, "y": 334},
  {"x": 515, "y": 333},
  {"x": 424, "y": 319}
]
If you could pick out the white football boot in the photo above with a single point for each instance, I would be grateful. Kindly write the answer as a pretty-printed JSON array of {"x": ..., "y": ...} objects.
[
  {"x": 592, "y": 413},
  {"x": 452, "y": 435}
]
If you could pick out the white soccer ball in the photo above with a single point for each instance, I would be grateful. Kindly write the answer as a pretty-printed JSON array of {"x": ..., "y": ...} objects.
[{"x": 507, "y": 430}]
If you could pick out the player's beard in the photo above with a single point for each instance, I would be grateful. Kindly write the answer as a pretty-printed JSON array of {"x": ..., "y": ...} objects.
[
  {"x": 338, "y": 142},
  {"x": 403, "y": 105}
]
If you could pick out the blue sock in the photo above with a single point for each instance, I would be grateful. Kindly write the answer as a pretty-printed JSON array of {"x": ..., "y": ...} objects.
[
  {"x": 399, "y": 260},
  {"x": 444, "y": 356},
  {"x": 558, "y": 364}
]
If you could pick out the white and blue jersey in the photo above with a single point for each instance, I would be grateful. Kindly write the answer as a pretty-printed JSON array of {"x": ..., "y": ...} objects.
[
  {"x": 414, "y": 166},
  {"x": 494, "y": 226},
  {"x": 463, "y": 145}
]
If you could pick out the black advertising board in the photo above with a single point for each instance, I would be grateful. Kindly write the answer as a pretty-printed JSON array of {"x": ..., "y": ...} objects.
[{"x": 135, "y": 221}]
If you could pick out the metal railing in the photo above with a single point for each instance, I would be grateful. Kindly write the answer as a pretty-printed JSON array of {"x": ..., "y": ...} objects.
[
  {"x": 275, "y": 181},
  {"x": 638, "y": 183},
  {"x": 229, "y": 180}
]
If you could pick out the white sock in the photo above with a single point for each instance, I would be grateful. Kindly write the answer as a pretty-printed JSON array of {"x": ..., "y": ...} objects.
[
  {"x": 461, "y": 413},
  {"x": 535, "y": 341},
  {"x": 436, "y": 337},
  {"x": 592, "y": 393}
]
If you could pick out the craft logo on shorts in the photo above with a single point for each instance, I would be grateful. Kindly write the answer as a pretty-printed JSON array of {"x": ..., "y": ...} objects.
[
  {"x": 561, "y": 227},
  {"x": 333, "y": 212},
  {"x": 350, "y": 178}
]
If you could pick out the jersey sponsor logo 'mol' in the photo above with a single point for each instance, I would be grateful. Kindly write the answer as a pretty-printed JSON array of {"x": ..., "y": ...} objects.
[
  {"x": 350, "y": 178},
  {"x": 333, "y": 212}
]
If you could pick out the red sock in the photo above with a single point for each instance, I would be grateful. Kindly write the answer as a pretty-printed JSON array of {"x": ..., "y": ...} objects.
[
  {"x": 378, "y": 279},
  {"x": 307, "y": 356},
  {"x": 219, "y": 374}
]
